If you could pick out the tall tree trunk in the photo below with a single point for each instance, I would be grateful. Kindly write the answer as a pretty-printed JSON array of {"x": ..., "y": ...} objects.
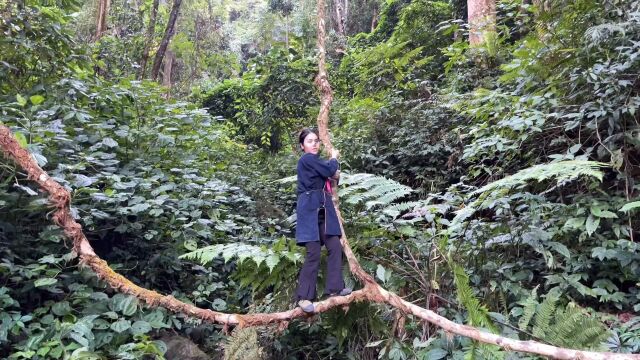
[
  {"x": 374, "y": 19},
  {"x": 166, "y": 71},
  {"x": 482, "y": 20},
  {"x": 148, "y": 40},
  {"x": 286, "y": 30},
  {"x": 345, "y": 16},
  {"x": 210, "y": 9},
  {"x": 339, "y": 7},
  {"x": 101, "y": 19},
  {"x": 168, "y": 33},
  {"x": 199, "y": 24}
]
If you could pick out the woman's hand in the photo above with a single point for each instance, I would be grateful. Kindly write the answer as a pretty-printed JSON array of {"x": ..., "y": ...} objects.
[{"x": 335, "y": 153}]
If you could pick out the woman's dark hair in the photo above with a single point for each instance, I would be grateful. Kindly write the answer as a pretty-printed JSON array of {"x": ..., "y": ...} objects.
[{"x": 305, "y": 132}]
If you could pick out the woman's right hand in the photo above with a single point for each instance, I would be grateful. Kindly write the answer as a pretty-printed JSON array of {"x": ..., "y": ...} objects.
[{"x": 335, "y": 153}]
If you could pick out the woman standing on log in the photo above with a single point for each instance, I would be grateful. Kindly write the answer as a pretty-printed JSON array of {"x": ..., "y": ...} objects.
[{"x": 317, "y": 222}]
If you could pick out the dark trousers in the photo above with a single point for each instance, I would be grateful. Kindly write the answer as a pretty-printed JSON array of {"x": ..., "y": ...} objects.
[{"x": 309, "y": 273}]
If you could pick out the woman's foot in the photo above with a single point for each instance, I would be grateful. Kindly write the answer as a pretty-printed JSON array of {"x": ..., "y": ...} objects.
[
  {"x": 306, "y": 306},
  {"x": 343, "y": 292}
]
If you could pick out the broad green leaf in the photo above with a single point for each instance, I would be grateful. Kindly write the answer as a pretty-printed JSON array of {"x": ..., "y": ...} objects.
[
  {"x": 109, "y": 142},
  {"x": 574, "y": 223},
  {"x": 21, "y": 100},
  {"x": 45, "y": 282},
  {"x": 84, "y": 354},
  {"x": 79, "y": 338},
  {"x": 129, "y": 305},
  {"x": 36, "y": 99},
  {"x": 381, "y": 273},
  {"x": 630, "y": 206},
  {"x": 61, "y": 308},
  {"x": 121, "y": 325},
  {"x": 139, "y": 208},
  {"x": 100, "y": 324},
  {"x": 99, "y": 296},
  {"x": 190, "y": 245},
  {"x": 140, "y": 327},
  {"x": 592, "y": 224},
  {"x": 22, "y": 140},
  {"x": 597, "y": 211},
  {"x": 560, "y": 248},
  {"x": 436, "y": 354}
]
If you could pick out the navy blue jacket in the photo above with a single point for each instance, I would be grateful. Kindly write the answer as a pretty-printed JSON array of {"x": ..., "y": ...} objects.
[{"x": 312, "y": 174}]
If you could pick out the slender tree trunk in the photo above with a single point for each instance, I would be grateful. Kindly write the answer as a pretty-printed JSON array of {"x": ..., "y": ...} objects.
[
  {"x": 168, "y": 34},
  {"x": 196, "y": 46},
  {"x": 210, "y": 9},
  {"x": 482, "y": 20},
  {"x": 101, "y": 19},
  {"x": 338, "y": 5},
  {"x": 166, "y": 71},
  {"x": 345, "y": 16},
  {"x": 286, "y": 30},
  {"x": 374, "y": 19},
  {"x": 148, "y": 40}
]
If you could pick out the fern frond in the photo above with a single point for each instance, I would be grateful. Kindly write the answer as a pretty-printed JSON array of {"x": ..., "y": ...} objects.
[
  {"x": 478, "y": 314},
  {"x": 546, "y": 310},
  {"x": 374, "y": 190},
  {"x": 528, "y": 309},
  {"x": 570, "y": 326},
  {"x": 566, "y": 324},
  {"x": 562, "y": 171},
  {"x": 243, "y": 345},
  {"x": 395, "y": 210},
  {"x": 288, "y": 179},
  {"x": 575, "y": 328},
  {"x": 242, "y": 252}
]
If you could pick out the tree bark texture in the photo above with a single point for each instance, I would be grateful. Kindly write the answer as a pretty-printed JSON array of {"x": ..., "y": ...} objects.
[
  {"x": 482, "y": 20},
  {"x": 168, "y": 67},
  {"x": 166, "y": 72},
  {"x": 339, "y": 6},
  {"x": 101, "y": 18},
  {"x": 148, "y": 39},
  {"x": 166, "y": 39}
]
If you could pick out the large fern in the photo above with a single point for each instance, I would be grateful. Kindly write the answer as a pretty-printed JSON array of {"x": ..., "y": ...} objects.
[
  {"x": 528, "y": 309},
  {"x": 258, "y": 267},
  {"x": 569, "y": 326},
  {"x": 561, "y": 171},
  {"x": 374, "y": 191},
  {"x": 243, "y": 252},
  {"x": 243, "y": 345},
  {"x": 478, "y": 314}
]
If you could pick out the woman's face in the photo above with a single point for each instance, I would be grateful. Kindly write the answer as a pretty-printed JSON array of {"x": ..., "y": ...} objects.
[{"x": 311, "y": 144}]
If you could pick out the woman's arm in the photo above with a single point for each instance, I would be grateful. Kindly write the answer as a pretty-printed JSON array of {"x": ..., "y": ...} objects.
[{"x": 325, "y": 168}]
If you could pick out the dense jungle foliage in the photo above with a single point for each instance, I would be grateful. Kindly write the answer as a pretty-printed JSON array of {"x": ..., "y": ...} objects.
[{"x": 495, "y": 184}]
